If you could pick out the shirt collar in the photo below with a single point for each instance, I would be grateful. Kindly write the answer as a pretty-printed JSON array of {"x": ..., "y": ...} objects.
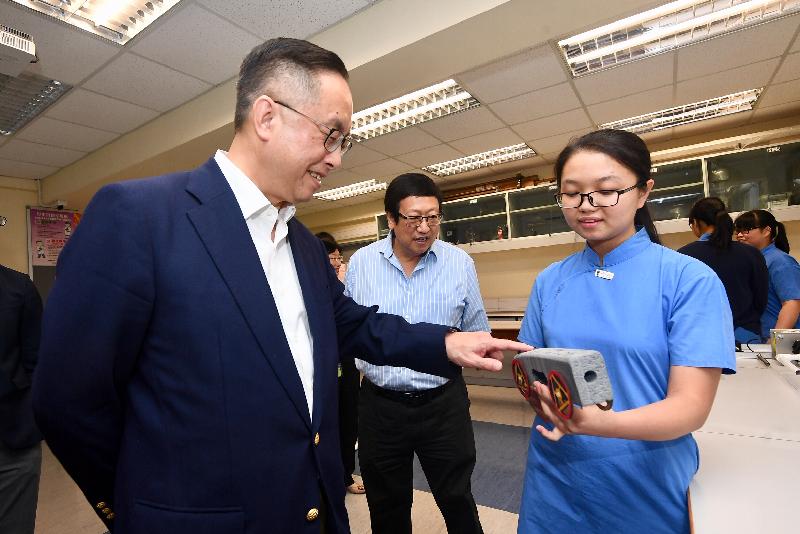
[
  {"x": 629, "y": 248},
  {"x": 386, "y": 249},
  {"x": 249, "y": 197},
  {"x": 768, "y": 248},
  {"x": 705, "y": 237}
]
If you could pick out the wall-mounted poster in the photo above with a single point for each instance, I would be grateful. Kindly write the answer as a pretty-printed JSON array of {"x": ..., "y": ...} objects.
[{"x": 50, "y": 231}]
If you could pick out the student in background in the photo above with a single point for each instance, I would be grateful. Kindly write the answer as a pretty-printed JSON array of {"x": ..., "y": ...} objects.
[
  {"x": 662, "y": 322},
  {"x": 760, "y": 229},
  {"x": 742, "y": 269},
  {"x": 349, "y": 384}
]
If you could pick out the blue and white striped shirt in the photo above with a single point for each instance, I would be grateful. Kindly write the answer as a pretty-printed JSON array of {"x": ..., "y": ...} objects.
[{"x": 442, "y": 289}]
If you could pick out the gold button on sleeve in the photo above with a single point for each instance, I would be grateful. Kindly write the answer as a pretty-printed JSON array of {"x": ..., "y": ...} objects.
[
  {"x": 316, "y": 438},
  {"x": 100, "y": 505},
  {"x": 312, "y": 514}
]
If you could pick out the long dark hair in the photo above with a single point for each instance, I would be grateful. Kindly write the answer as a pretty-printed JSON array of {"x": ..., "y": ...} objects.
[
  {"x": 711, "y": 211},
  {"x": 750, "y": 220},
  {"x": 625, "y": 148}
]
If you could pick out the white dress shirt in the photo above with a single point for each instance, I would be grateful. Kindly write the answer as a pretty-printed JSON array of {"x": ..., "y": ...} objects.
[{"x": 278, "y": 264}]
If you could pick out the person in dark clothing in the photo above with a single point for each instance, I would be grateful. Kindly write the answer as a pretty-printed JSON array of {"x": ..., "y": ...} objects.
[
  {"x": 20, "y": 440},
  {"x": 349, "y": 385},
  {"x": 743, "y": 273}
]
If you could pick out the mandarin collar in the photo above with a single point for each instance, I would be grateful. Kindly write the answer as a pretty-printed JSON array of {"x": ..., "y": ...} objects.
[{"x": 634, "y": 245}]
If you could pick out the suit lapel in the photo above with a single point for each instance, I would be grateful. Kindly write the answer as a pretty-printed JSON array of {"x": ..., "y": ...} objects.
[{"x": 219, "y": 224}]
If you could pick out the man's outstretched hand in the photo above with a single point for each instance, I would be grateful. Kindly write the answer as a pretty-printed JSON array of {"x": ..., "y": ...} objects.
[{"x": 479, "y": 350}]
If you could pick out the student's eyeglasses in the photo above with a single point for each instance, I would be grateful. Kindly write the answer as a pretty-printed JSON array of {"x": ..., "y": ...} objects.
[
  {"x": 335, "y": 257},
  {"x": 743, "y": 231},
  {"x": 415, "y": 221},
  {"x": 334, "y": 139},
  {"x": 602, "y": 198}
]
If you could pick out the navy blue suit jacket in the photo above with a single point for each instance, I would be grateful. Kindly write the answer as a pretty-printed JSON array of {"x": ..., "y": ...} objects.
[{"x": 166, "y": 386}]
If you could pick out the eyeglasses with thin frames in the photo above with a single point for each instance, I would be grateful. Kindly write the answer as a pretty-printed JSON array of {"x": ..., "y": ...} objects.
[
  {"x": 334, "y": 139},
  {"x": 602, "y": 198},
  {"x": 415, "y": 221}
]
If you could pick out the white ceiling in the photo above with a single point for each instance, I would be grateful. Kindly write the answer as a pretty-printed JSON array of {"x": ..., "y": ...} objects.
[{"x": 527, "y": 96}]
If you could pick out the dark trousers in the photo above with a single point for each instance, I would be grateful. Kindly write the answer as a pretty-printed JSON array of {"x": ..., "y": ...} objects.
[
  {"x": 348, "y": 417},
  {"x": 19, "y": 488},
  {"x": 439, "y": 431}
]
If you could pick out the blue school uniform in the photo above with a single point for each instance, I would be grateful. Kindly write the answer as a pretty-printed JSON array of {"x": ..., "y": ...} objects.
[
  {"x": 660, "y": 309},
  {"x": 784, "y": 284}
]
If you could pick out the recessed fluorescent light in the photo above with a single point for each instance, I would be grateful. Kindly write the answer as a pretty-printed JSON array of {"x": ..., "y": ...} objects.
[
  {"x": 481, "y": 160},
  {"x": 116, "y": 20},
  {"x": 414, "y": 108},
  {"x": 22, "y": 98},
  {"x": 665, "y": 28},
  {"x": 352, "y": 190},
  {"x": 698, "y": 111}
]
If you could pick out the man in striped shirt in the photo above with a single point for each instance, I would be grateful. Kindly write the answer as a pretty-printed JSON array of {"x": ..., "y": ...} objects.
[{"x": 401, "y": 412}]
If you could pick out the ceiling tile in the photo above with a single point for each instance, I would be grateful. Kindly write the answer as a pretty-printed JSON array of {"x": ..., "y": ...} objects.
[
  {"x": 658, "y": 136},
  {"x": 339, "y": 178},
  {"x": 463, "y": 124},
  {"x": 428, "y": 156},
  {"x": 384, "y": 168},
  {"x": 19, "y": 169},
  {"x": 519, "y": 74},
  {"x": 99, "y": 111},
  {"x": 198, "y": 42},
  {"x": 789, "y": 69},
  {"x": 537, "y": 104},
  {"x": 777, "y": 112},
  {"x": 781, "y": 93},
  {"x": 555, "y": 143},
  {"x": 724, "y": 83},
  {"x": 487, "y": 141},
  {"x": 281, "y": 17},
  {"x": 739, "y": 48},
  {"x": 401, "y": 141},
  {"x": 57, "y": 43},
  {"x": 711, "y": 125},
  {"x": 360, "y": 155},
  {"x": 631, "y": 106},
  {"x": 19, "y": 150},
  {"x": 627, "y": 79},
  {"x": 555, "y": 124},
  {"x": 65, "y": 134},
  {"x": 141, "y": 81}
]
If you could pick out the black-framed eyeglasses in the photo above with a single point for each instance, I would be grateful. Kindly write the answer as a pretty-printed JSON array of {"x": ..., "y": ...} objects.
[
  {"x": 602, "y": 198},
  {"x": 335, "y": 257},
  {"x": 334, "y": 139},
  {"x": 415, "y": 221},
  {"x": 743, "y": 231}
]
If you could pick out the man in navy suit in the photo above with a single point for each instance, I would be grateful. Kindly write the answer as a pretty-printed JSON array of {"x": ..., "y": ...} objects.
[
  {"x": 20, "y": 441},
  {"x": 187, "y": 377}
]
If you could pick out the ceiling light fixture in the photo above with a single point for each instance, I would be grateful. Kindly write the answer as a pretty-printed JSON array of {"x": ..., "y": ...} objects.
[
  {"x": 482, "y": 159},
  {"x": 414, "y": 108},
  {"x": 665, "y": 28},
  {"x": 352, "y": 190},
  {"x": 24, "y": 97},
  {"x": 116, "y": 20},
  {"x": 697, "y": 111}
]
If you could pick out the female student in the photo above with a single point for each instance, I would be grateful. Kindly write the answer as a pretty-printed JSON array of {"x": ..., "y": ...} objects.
[
  {"x": 742, "y": 269},
  {"x": 759, "y": 228},
  {"x": 663, "y": 324}
]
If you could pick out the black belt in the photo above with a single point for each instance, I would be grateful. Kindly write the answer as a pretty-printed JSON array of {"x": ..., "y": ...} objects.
[{"x": 410, "y": 397}]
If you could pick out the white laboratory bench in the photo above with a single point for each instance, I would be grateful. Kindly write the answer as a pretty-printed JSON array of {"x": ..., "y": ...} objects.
[{"x": 749, "y": 476}]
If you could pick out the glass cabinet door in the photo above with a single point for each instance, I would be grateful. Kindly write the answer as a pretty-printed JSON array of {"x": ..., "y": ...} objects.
[
  {"x": 757, "y": 179},
  {"x": 474, "y": 219},
  {"x": 673, "y": 203},
  {"x": 534, "y": 212}
]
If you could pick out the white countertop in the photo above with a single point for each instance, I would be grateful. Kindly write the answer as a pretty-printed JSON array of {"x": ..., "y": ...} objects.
[{"x": 749, "y": 477}]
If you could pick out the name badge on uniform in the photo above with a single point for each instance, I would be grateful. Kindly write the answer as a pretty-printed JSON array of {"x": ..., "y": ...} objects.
[{"x": 605, "y": 275}]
